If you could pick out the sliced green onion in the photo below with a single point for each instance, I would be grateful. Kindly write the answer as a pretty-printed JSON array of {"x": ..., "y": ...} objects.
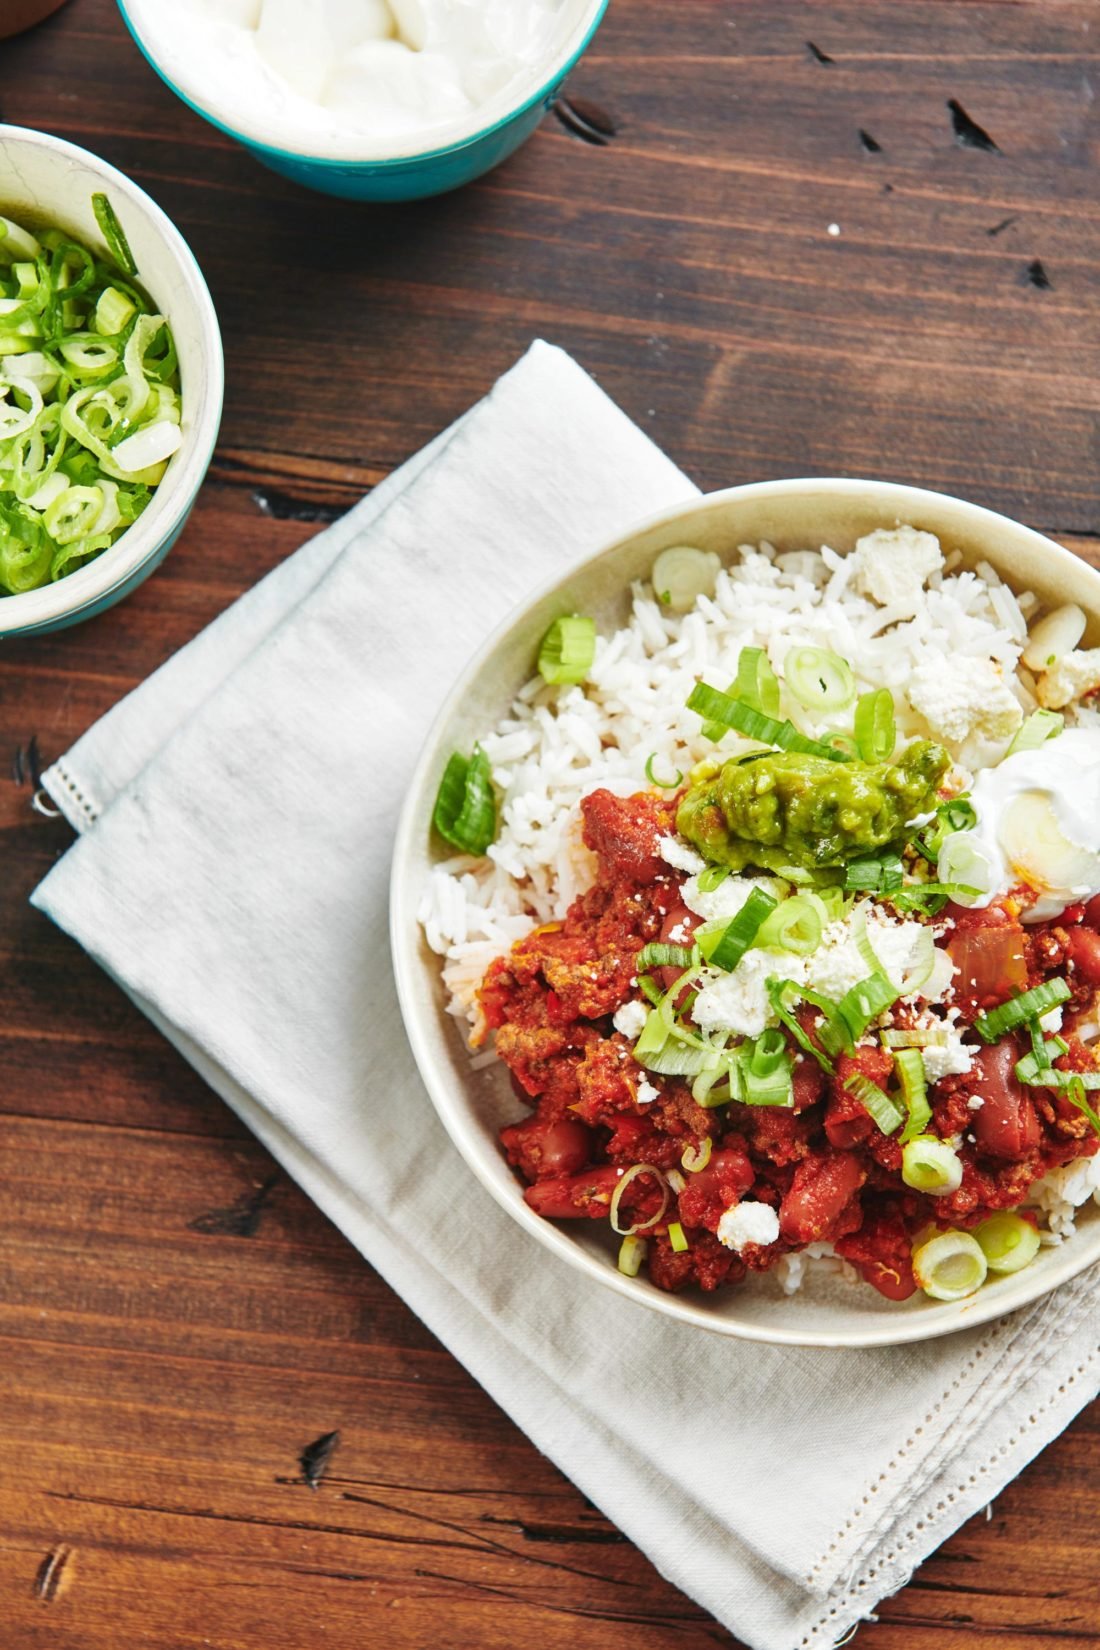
[
  {"x": 114, "y": 234},
  {"x": 661, "y": 784},
  {"x": 649, "y": 988},
  {"x": 676, "y": 1237},
  {"x": 958, "y": 814},
  {"x": 909, "y": 1065},
  {"x": 931, "y": 897},
  {"x": 880, "y": 875},
  {"x": 719, "y": 708},
  {"x": 1038, "y": 1066},
  {"x": 1008, "y": 1242},
  {"x": 860, "y": 1004},
  {"x": 795, "y": 925},
  {"x": 621, "y": 1184},
  {"x": 89, "y": 406},
  {"x": 819, "y": 679},
  {"x": 697, "y": 1157},
  {"x": 713, "y": 877},
  {"x": 883, "y": 1111},
  {"x": 893, "y": 1038},
  {"x": 682, "y": 574},
  {"x": 931, "y": 1165},
  {"x": 765, "y": 1073},
  {"x": 950, "y": 1266},
  {"x": 568, "y": 650},
  {"x": 632, "y": 1252},
  {"x": 1038, "y": 1001},
  {"x": 1035, "y": 730},
  {"x": 741, "y": 932},
  {"x": 656, "y": 955},
  {"x": 875, "y": 726},
  {"x": 755, "y": 684},
  {"x": 465, "y": 812},
  {"x": 1075, "y": 1094},
  {"x": 112, "y": 311},
  {"x": 782, "y": 994}
]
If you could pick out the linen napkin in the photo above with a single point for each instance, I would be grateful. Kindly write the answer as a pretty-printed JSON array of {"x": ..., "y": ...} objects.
[{"x": 236, "y": 814}]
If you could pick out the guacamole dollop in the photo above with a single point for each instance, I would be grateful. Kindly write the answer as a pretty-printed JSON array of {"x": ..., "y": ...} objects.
[{"x": 788, "y": 809}]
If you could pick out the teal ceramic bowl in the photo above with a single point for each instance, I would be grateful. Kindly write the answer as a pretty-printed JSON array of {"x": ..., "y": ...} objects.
[
  {"x": 453, "y": 155},
  {"x": 44, "y": 181}
]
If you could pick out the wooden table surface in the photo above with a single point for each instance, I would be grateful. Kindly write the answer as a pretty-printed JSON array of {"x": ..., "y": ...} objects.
[{"x": 177, "y": 1321}]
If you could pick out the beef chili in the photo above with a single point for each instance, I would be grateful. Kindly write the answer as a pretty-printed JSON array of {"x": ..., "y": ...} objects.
[{"x": 840, "y": 1123}]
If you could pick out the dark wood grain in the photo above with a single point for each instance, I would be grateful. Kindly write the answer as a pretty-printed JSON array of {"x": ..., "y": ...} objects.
[{"x": 177, "y": 1323}]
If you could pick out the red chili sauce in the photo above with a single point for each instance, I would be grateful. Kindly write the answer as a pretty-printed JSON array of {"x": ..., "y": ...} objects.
[{"x": 823, "y": 1165}]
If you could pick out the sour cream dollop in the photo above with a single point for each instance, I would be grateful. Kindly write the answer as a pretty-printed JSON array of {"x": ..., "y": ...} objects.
[{"x": 1038, "y": 823}]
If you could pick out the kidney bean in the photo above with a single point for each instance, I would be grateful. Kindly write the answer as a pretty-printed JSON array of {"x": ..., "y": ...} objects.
[
  {"x": 713, "y": 1190},
  {"x": 1006, "y": 1125},
  {"x": 808, "y": 1082},
  {"x": 566, "y": 1147},
  {"x": 821, "y": 1189},
  {"x": 573, "y": 1197},
  {"x": 1092, "y": 912}
]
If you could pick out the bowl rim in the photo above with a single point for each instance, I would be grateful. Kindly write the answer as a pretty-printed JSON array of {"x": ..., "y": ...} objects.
[
  {"x": 29, "y": 610},
  {"x": 930, "y": 1321},
  {"x": 468, "y": 130}
]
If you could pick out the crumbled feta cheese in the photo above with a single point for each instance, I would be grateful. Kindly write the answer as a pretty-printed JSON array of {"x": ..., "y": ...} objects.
[
  {"x": 1051, "y": 1021},
  {"x": 739, "y": 1001},
  {"x": 975, "y": 1102},
  {"x": 748, "y": 1223},
  {"x": 723, "y": 903},
  {"x": 948, "y": 1059},
  {"x": 839, "y": 964},
  {"x": 678, "y": 935},
  {"x": 965, "y": 699},
  {"x": 895, "y": 563},
  {"x": 1075, "y": 674},
  {"x": 676, "y": 852},
  {"x": 630, "y": 1019},
  {"x": 647, "y": 1093}
]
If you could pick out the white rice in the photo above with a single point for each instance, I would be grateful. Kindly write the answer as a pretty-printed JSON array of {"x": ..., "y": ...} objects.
[{"x": 558, "y": 744}]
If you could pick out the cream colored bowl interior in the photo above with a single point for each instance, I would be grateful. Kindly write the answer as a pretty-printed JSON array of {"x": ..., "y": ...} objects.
[{"x": 793, "y": 515}]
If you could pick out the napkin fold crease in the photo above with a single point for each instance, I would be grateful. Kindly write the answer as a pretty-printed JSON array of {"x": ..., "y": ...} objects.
[{"x": 235, "y": 816}]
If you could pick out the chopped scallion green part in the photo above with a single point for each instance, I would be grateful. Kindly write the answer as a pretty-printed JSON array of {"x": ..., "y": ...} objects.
[
  {"x": 879, "y": 875},
  {"x": 567, "y": 650},
  {"x": 661, "y": 784},
  {"x": 1036, "y": 729},
  {"x": 465, "y": 813},
  {"x": 89, "y": 406},
  {"x": 796, "y": 925},
  {"x": 819, "y": 679},
  {"x": 741, "y": 932},
  {"x": 719, "y": 708},
  {"x": 909, "y": 1065},
  {"x": 676, "y": 1237},
  {"x": 1036, "y": 1002},
  {"x": 656, "y": 955},
  {"x": 875, "y": 725},
  {"x": 713, "y": 877},
  {"x": 883, "y": 1110},
  {"x": 756, "y": 685},
  {"x": 114, "y": 234},
  {"x": 783, "y": 994}
]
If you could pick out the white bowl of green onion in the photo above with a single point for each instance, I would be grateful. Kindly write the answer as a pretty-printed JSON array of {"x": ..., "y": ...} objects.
[{"x": 111, "y": 381}]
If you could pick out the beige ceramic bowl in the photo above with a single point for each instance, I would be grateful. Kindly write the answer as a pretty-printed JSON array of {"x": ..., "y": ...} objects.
[{"x": 473, "y": 1105}]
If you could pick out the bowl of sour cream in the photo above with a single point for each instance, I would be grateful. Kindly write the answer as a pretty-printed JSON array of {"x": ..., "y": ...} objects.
[{"x": 368, "y": 99}]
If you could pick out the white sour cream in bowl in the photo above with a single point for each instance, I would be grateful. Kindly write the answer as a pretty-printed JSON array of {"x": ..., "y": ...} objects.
[{"x": 1038, "y": 824}]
